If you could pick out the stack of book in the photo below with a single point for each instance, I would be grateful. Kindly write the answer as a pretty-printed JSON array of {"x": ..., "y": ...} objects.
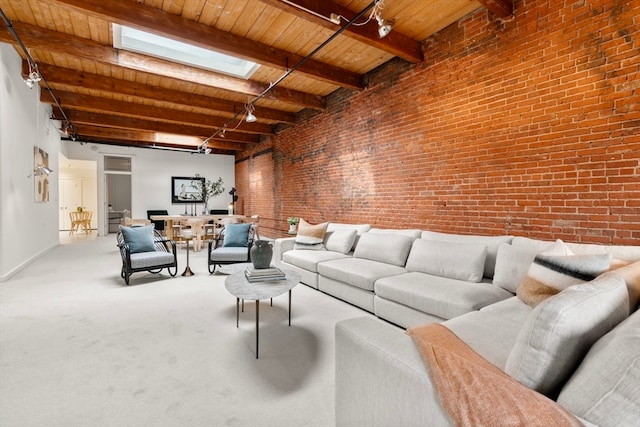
[{"x": 264, "y": 274}]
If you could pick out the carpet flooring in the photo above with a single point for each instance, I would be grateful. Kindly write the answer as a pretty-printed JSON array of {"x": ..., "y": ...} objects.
[{"x": 79, "y": 348}]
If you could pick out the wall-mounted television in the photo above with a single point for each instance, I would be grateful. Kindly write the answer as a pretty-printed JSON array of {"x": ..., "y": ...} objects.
[{"x": 183, "y": 189}]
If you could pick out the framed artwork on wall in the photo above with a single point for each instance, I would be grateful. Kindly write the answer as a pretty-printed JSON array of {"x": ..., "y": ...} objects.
[
  {"x": 41, "y": 180},
  {"x": 183, "y": 190}
]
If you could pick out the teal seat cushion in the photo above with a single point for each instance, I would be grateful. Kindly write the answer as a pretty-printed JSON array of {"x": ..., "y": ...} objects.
[
  {"x": 139, "y": 239},
  {"x": 236, "y": 235}
]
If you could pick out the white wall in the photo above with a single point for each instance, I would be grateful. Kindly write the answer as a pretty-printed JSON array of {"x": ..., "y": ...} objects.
[
  {"x": 151, "y": 175},
  {"x": 27, "y": 228}
]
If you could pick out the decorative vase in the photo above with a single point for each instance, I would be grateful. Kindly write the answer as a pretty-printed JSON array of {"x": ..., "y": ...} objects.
[
  {"x": 261, "y": 253},
  {"x": 292, "y": 228}
]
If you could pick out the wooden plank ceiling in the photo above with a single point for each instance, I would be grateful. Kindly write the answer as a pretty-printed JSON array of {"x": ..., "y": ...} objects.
[{"x": 119, "y": 97}]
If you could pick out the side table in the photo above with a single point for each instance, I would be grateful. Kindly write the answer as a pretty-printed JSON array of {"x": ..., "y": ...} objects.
[
  {"x": 238, "y": 286},
  {"x": 187, "y": 270}
]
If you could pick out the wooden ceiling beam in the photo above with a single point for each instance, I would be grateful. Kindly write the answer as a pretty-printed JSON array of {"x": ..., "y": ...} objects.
[
  {"x": 92, "y": 103},
  {"x": 77, "y": 117},
  {"x": 74, "y": 78},
  {"x": 394, "y": 43},
  {"x": 157, "y": 21},
  {"x": 52, "y": 41},
  {"x": 500, "y": 8},
  {"x": 110, "y": 134}
]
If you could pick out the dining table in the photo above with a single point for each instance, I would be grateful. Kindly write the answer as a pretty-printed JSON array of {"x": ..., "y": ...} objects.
[{"x": 171, "y": 219}]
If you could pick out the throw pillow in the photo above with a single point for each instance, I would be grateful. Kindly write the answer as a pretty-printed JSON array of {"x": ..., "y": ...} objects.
[
  {"x": 560, "y": 330},
  {"x": 341, "y": 240},
  {"x": 462, "y": 261},
  {"x": 512, "y": 265},
  {"x": 556, "y": 269},
  {"x": 236, "y": 235},
  {"x": 310, "y": 236},
  {"x": 139, "y": 239}
]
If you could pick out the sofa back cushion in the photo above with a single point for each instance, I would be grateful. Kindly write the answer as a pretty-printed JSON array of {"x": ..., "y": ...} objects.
[
  {"x": 512, "y": 266},
  {"x": 492, "y": 242},
  {"x": 560, "y": 330},
  {"x": 604, "y": 389},
  {"x": 414, "y": 233},
  {"x": 387, "y": 248},
  {"x": 461, "y": 261}
]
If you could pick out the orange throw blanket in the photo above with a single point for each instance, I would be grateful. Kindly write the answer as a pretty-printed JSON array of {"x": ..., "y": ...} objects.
[{"x": 476, "y": 393}]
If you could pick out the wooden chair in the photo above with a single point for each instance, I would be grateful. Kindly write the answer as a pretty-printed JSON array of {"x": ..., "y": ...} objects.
[
  {"x": 80, "y": 220},
  {"x": 196, "y": 227},
  {"x": 164, "y": 256}
]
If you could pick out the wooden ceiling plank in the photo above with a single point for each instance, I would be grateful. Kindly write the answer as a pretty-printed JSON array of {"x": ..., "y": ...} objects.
[
  {"x": 500, "y": 8},
  {"x": 394, "y": 43},
  {"x": 69, "y": 77},
  {"x": 163, "y": 23},
  {"x": 40, "y": 38}
]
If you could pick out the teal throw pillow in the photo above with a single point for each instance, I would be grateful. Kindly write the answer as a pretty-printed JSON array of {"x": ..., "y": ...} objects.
[
  {"x": 139, "y": 239},
  {"x": 236, "y": 235}
]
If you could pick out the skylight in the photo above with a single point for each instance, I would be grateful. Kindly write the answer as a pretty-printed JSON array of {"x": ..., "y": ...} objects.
[{"x": 161, "y": 47}]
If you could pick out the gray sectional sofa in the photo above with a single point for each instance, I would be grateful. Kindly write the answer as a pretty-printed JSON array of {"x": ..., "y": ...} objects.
[{"x": 409, "y": 278}]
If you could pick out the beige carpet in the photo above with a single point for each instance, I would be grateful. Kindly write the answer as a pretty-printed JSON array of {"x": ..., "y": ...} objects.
[{"x": 79, "y": 348}]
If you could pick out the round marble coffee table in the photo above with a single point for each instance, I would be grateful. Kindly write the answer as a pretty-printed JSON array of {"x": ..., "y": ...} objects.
[{"x": 238, "y": 286}]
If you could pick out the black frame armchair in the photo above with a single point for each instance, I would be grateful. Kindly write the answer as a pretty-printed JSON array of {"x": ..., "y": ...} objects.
[
  {"x": 223, "y": 255},
  {"x": 164, "y": 256}
]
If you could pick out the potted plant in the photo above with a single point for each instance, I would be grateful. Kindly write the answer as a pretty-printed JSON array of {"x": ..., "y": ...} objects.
[
  {"x": 208, "y": 189},
  {"x": 293, "y": 222}
]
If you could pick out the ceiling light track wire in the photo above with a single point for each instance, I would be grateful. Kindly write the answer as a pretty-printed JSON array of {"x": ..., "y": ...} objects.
[
  {"x": 376, "y": 5},
  {"x": 33, "y": 68}
]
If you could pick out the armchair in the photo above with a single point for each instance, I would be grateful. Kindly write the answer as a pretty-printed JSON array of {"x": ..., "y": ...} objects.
[
  {"x": 232, "y": 245},
  {"x": 144, "y": 254}
]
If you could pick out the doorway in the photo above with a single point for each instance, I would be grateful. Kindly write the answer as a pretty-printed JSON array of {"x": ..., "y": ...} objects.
[
  {"x": 117, "y": 184},
  {"x": 77, "y": 189}
]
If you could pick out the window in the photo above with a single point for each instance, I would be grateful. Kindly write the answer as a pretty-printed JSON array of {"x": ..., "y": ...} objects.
[{"x": 133, "y": 40}]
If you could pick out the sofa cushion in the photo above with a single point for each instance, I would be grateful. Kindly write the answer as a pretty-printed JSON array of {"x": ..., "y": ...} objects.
[
  {"x": 604, "y": 389},
  {"x": 492, "y": 242},
  {"x": 309, "y": 260},
  {"x": 560, "y": 330},
  {"x": 512, "y": 266},
  {"x": 462, "y": 261},
  {"x": 555, "y": 269},
  {"x": 512, "y": 309},
  {"x": 358, "y": 272},
  {"x": 414, "y": 233},
  {"x": 387, "y": 248},
  {"x": 438, "y": 296},
  {"x": 310, "y": 236},
  {"x": 139, "y": 239},
  {"x": 630, "y": 273},
  {"x": 340, "y": 240}
]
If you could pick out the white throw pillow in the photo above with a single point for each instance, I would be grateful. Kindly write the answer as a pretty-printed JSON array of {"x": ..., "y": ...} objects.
[
  {"x": 561, "y": 329},
  {"x": 512, "y": 265},
  {"x": 340, "y": 240},
  {"x": 462, "y": 261}
]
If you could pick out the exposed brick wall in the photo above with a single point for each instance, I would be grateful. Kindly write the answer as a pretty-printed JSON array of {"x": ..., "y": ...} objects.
[{"x": 527, "y": 127}]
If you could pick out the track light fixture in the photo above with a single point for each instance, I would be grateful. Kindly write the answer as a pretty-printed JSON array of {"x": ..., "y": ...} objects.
[
  {"x": 384, "y": 26},
  {"x": 34, "y": 76},
  {"x": 250, "y": 118}
]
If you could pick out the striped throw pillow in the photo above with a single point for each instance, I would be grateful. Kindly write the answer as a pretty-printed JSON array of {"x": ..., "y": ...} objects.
[{"x": 556, "y": 269}]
